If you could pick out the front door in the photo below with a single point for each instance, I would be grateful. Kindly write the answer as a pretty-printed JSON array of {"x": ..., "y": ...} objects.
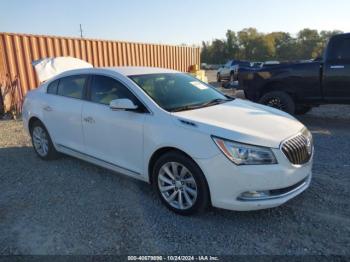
[
  {"x": 113, "y": 136},
  {"x": 336, "y": 78}
]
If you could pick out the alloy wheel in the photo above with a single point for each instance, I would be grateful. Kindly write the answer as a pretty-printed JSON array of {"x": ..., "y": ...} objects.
[
  {"x": 276, "y": 103},
  {"x": 177, "y": 185},
  {"x": 40, "y": 141}
]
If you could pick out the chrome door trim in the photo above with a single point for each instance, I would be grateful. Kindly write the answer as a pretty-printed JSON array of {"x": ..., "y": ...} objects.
[
  {"x": 337, "y": 67},
  {"x": 100, "y": 162}
]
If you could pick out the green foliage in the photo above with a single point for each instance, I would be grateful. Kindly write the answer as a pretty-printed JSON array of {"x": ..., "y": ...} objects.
[{"x": 249, "y": 44}]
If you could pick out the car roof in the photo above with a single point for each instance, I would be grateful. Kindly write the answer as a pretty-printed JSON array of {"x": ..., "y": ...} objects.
[
  {"x": 123, "y": 70},
  {"x": 140, "y": 70}
]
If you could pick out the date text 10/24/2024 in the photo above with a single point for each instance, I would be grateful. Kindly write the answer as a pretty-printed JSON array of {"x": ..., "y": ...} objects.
[{"x": 173, "y": 258}]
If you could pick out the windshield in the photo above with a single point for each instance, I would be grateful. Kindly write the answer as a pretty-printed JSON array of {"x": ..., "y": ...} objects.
[{"x": 178, "y": 91}]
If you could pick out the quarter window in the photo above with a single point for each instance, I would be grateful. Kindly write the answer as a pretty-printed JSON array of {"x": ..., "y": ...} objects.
[
  {"x": 72, "y": 86},
  {"x": 52, "y": 87},
  {"x": 105, "y": 89}
]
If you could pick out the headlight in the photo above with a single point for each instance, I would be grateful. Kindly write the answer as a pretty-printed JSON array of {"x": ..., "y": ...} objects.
[
  {"x": 310, "y": 144},
  {"x": 242, "y": 154}
]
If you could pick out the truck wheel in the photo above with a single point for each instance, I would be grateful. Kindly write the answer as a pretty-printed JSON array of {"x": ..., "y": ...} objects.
[
  {"x": 280, "y": 100},
  {"x": 302, "y": 110}
]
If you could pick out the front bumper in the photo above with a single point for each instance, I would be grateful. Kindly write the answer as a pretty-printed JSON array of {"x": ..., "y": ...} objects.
[{"x": 280, "y": 183}]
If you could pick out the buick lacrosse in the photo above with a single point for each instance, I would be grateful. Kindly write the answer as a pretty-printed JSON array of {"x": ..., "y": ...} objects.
[{"x": 195, "y": 145}]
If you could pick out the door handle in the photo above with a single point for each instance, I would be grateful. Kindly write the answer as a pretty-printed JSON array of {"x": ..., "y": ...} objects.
[
  {"x": 337, "y": 67},
  {"x": 47, "y": 108},
  {"x": 89, "y": 120}
]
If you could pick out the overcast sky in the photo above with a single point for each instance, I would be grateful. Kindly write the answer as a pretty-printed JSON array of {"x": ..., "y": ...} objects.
[{"x": 169, "y": 21}]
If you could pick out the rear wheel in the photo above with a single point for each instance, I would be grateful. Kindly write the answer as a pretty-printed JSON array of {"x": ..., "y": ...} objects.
[
  {"x": 280, "y": 100},
  {"x": 42, "y": 142},
  {"x": 180, "y": 184}
]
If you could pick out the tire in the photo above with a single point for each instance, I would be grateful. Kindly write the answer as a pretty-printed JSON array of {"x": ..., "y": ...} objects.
[
  {"x": 218, "y": 77},
  {"x": 191, "y": 185},
  {"x": 280, "y": 100},
  {"x": 302, "y": 110},
  {"x": 42, "y": 142}
]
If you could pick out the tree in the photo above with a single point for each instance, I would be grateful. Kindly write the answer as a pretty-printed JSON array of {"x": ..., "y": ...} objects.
[
  {"x": 218, "y": 52},
  {"x": 232, "y": 44},
  {"x": 307, "y": 40},
  {"x": 249, "y": 44}
]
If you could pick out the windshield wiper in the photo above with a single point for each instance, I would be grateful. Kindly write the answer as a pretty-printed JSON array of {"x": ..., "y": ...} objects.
[
  {"x": 210, "y": 103},
  {"x": 184, "y": 108},
  {"x": 216, "y": 101}
]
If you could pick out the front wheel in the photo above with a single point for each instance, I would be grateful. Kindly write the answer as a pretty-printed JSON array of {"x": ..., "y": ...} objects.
[
  {"x": 280, "y": 100},
  {"x": 180, "y": 184}
]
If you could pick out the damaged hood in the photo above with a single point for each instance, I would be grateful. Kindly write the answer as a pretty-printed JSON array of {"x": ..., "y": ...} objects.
[{"x": 49, "y": 67}]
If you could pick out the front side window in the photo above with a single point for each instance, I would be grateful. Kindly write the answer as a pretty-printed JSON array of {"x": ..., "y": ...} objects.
[
  {"x": 178, "y": 91},
  {"x": 340, "y": 49},
  {"x": 105, "y": 89},
  {"x": 72, "y": 86}
]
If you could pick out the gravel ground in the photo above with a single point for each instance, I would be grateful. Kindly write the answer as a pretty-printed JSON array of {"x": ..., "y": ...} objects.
[{"x": 68, "y": 206}]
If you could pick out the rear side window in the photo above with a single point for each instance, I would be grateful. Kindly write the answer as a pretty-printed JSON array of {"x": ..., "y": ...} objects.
[
  {"x": 340, "y": 49},
  {"x": 52, "y": 87},
  {"x": 72, "y": 86},
  {"x": 105, "y": 89}
]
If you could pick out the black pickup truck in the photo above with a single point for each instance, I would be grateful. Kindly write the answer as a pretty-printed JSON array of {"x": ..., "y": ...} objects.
[{"x": 297, "y": 87}]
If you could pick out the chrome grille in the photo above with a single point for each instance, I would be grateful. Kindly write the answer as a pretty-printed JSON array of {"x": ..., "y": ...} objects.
[{"x": 298, "y": 150}]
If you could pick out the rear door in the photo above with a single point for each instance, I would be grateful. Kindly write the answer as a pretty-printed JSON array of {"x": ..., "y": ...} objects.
[
  {"x": 336, "y": 77},
  {"x": 62, "y": 111}
]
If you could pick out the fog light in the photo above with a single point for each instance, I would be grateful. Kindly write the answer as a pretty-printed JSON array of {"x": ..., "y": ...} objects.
[{"x": 251, "y": 195}]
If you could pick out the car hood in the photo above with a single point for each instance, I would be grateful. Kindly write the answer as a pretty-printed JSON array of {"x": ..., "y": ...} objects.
[{"x": 242, "y": 121}]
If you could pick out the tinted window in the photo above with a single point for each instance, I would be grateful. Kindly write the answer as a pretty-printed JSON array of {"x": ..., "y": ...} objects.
[
  {"x": 52, "y": 87},
  {"x": 105, "y": 89},
  {"x": 173, "y": 91},
  {"x": 244, "y": 64},
  {"x": 72, "y": 86},
  {"x": 340, "y": 49}
]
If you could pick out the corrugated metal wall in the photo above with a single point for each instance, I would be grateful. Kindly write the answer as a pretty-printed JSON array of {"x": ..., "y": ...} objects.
[{"x": 17, "y": 51}]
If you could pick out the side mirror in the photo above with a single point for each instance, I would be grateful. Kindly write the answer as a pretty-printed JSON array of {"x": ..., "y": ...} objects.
[{"x": 122, "y": 104}]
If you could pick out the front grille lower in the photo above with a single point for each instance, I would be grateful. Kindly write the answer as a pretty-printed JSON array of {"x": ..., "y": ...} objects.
[{"x": 296, "y": 150}]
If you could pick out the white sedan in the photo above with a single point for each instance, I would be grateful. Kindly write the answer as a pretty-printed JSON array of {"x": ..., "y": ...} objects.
[{"x": 195, "y": 145}]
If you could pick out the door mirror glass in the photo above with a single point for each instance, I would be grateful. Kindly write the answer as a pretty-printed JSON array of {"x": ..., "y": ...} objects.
[{"x": 122, "y": 104}]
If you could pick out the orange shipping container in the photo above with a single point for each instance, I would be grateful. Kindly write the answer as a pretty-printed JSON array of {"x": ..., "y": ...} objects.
[{"x": 17, "y": 51}]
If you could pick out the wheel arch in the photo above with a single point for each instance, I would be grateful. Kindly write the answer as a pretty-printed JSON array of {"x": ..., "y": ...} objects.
[
  {"x": 32, "y": 120},
  {"x": 277, "y": 86},
  {"x": 163, "y": 150},
  {"x": 158, "y": 153}
]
